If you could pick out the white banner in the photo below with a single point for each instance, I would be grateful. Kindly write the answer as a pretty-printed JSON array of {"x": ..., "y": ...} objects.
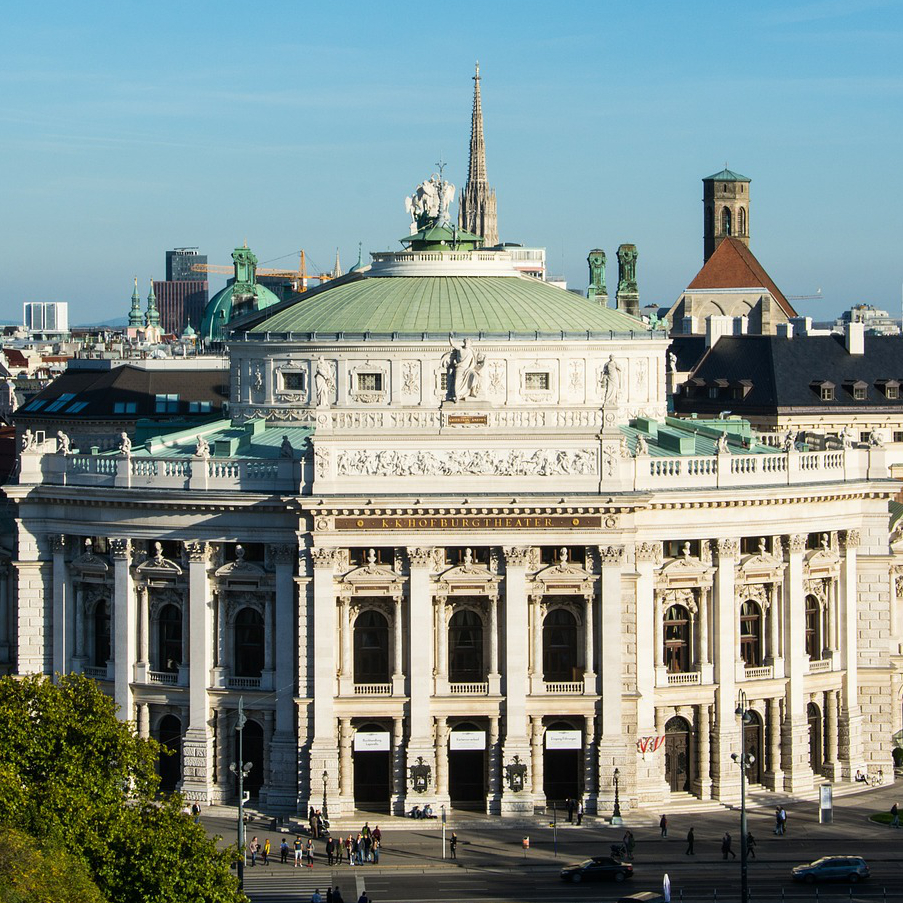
[
  {"x": 564, "y": 740},
  {"x": 375, "y": 741},
  {"x": 467, "y": 740}
]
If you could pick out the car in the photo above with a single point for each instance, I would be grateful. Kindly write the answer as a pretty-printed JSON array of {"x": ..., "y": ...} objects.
[
  {"x": 644, "y": 896},
  {"x": 596, "y": 869},
  {"x": 832, "y": 868}
]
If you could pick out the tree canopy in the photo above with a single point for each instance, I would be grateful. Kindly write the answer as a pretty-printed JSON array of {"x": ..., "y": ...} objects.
[{"x": 74, "y": 776}]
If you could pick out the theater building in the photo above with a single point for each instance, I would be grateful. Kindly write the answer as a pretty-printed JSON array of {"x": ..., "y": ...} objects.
[{"x": 450, "y": 548}]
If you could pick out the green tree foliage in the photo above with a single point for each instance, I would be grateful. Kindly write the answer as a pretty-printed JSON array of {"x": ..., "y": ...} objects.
[
  {"x": 31, "y": 872},
  {"x": 74, "y": 775}
]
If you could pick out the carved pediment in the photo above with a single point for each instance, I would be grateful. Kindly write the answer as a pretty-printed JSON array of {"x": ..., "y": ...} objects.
[
  {"x": 156, "y": 567},
  {"x": 688, "y": 570},
  {"x": 88, "y": 562},
  {"x": 763, "y": 567},
  {"x": 564, "y": 571},
  {"x": 823, "y": 562},
  {"x": 240, "y": 569}
]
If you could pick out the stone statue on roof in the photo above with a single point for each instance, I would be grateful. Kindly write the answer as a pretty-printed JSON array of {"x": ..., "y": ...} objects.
[
  {"x": 323, "y": 382},
  {"x": 430, "y": 198},
  {"x": 64, "y": 444},
  {"x": 610, "y": 381},
  {"x": 125, "y": 445}
]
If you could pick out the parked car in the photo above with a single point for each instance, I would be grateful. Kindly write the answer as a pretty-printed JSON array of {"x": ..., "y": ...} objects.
[
  {"x": 832, "y": 868},
  {"x": 597, "y": 869}
]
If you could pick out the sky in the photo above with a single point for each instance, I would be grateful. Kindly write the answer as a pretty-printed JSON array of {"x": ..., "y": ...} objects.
[{"x": 127, "y": 128}]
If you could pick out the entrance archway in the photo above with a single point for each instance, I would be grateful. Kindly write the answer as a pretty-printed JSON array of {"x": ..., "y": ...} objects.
[
  {"x": 169, "y": 733},
  {"x": 752, "y": 744},
  {"x": 251, "y": 751},
  {"x": 562, "y": 762},
  {"x": 677, "y": 755},
  {"x": 467, "y": 766},
  {"x": 372, "y": 768},
  {"x": 815, "y": 739}
]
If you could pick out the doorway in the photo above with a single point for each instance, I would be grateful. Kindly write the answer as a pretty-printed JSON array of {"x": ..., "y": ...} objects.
[
  {"x": 170, "y": 766},
  {"x": 562, "y": 763},
  {"x": 677, "y": 755},
  {"x": 251, "y": 751},
  {"x": 752, "y": 745},
  {"x": 816, "y": 758},
  {"x": 372, "y": 757},
  {"x": 467, "y": 767}
]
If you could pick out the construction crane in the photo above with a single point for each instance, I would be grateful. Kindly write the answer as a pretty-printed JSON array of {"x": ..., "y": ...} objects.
[
  {"x": 816, "y": 297},
  {"x": 298, "y": 278}
]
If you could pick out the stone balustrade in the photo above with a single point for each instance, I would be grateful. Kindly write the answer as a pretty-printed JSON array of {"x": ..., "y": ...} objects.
[
  {"x": 568, "y": 688},
  {"x": 469, "y": 689}
]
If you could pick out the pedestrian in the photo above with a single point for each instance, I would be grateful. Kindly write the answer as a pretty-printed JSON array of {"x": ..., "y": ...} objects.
[
  {"x": 329, "y": 854},
  {"x": 453, "y": 845},
  {"x": 337, "y": 896},
  {"x": 353, "y": 846},
  {"x": 629, "y": 843},
  {"x": 783, "y": 821},
  {"x": 663, "y": 824},
  {"x": 367, "y": 843},
  {"x": 283, "y": 851},
  {"x": 196, "y": 812},
  {"x": 570, "y": 808},
  {"x": 253, "y": 847},
  {"x": 363, "y": 898},
  {"x": 315, "y": 897},
  {"x": 266, "y": 851},
  {"x": 310, "y": 853},
  {"x": 348, "y": 850},
  {"x": 726, "y": 846},
  {"x": 328, "y": 895},
  {"x": 376, "y": 846},
  {"x": 777, "y": 819},
  {"x": 691, "y": 839},
  {"x": 579, "y": 812},
  {"x": 319, "y": 823},
  {"x": 751, "y": 844},
  {"x": 894, "y": 816},
  {"x": 377, "y": 834},
  {"x": 298, "y": 850}
]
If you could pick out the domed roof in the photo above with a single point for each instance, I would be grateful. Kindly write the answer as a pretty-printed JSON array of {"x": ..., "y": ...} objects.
[
  {"x": 218, "y": 311},
  {"x": 463, "y": 303}
]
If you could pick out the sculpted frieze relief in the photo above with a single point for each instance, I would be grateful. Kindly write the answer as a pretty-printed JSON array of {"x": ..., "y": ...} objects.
[
  {"x": 475, "y": 462},
  {"x": 410, "y": 378},
  {"x": 684, "y": 597}
]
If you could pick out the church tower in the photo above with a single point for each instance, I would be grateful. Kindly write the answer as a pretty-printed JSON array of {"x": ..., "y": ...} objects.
[
  {"x": 725, "y": 198},
  {"x": 476, "y": 209}
]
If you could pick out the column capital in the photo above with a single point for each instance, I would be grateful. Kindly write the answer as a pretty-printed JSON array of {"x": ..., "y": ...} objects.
[
  {"x": 516, "y": 556},
  {"x": 120, "y": 548},
  {"x": 611, "y": 556},
  {"x": 282, "y": 553},
  {"x": 727, "y": 549},
  {"x": 649, "y": 551},
  {"x": 196, "y": 551},
  {"x": 421, "y": 557},
  {"x": 795, "y": 543},
  {"x": 57, "y": 542},
  {"x": 324, "y": 558},
  {"x": 850, "y": 539}
]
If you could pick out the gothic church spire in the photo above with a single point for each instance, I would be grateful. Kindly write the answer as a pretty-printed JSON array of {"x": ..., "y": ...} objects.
[{"x": 476, "y": 209}]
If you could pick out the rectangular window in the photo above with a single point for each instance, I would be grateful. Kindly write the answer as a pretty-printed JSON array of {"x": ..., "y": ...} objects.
[
  {"x": 167, "y": 404},
  {"x": 713, "y": 392},
  {"x": 293, "y": 381},
  {"x": 892, "y": 392},
  {"x": 61, "y": 401},
  {"x": 125, "y": 407},
  {"x": 199, "y": 407},
  {"x": 827, "y": 393},
  {"x": 536, "y": 381},
  {"x": 859, "y": 393},
  {"x": 674, "y": 548},
  {"x": 864, "y": 436},
  {"x": 369, "y": 382},
  {"x": 898, "y": 436}
]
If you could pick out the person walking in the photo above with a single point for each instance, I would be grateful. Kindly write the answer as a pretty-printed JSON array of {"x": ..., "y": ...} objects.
[
  {"x": 299, "y": 849},
  {"x": 663, "y": 825},
  {"x": 777, "y": 819},
  {"x": 629, "y": 844},
  {"x": 266, "y": 851},
  {"x": 579, "y": 812},
  {"x": 337, "y": 896},
  {"x": 570, "y": 808},
  {"x": 691, "y": 839},
  {"x": 453, "y": 845},
  {"x": 328, "y": 895},
  {"x": 894, "y": 816},
  {"x": 309, "y": 851},
  {"x": 353, "y": 846},
  {"x": 363, "y": 898},
  {"x": 367, "y": 843},
  {"x": 377, "y": 834},
  {"x": 726, "y": 846},
  {"x": 376, "y": 846},
  {"x": 751, "y": 844},
  {"x": 253, "y": 847},
  {"x": 283, "y": 851},
  {"x": 783, "y": 821},
  {"x": 315, "y": 896}
]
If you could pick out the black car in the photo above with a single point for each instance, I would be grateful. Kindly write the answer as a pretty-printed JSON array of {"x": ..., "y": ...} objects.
[
  {"x": 596, "y": 869},
  {"x": 832, "y": 868}
]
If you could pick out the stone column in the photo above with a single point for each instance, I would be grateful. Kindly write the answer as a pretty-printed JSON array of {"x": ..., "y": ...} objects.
[
  {"x": 536, "y": 759},
  {"x": 125, "y": 628},
  {"x": 590, "y": 768},
  {"x": 143, "y": 719},
  {"x": 774, "y": 776},
  {"x": 705, "y": 650},
  {"x": 324, "y": 752},
  {"x": 441, "y": 634},
  {"x": 399, "y": 782},
  {"x": 267, "y": 758},
  {"x": 197, "y": 744},
  {"x": 832, "y": 767},
  {"x": 142, "y": 670},
  {"x": 60, "y": 625},
  {"x": 283, "y": 784},
  {"x": 398, "y": 657},
  {"x": 495, "y": 679},
  {"x": 612, "y": 740},
  {"x": 220, "y": 668},
  {"x": 703, "y": 781},
  {"x": 80, "y": 659},
  {"x": 269, "y": 643},
  {"x": 5, "y": 624},
  {"x": 774, "y": 627},
  {"x": 346, "y": 783},
  {"x": 726, "y": 731},
  {"x": 795, "y": 737},
  {"x": 422, "y": 639},
  {"x": 185, "y": 664},
  {"x": 516, "y": 658},
  {"x": 849, "y": 727},
  {"x": 535, "y": 613},
  {"x": 346, "y": 664},
  {"x": 589, "y": 646},
  {"x": 647, "y": 554},
  {"x": 493, "y": 777}
]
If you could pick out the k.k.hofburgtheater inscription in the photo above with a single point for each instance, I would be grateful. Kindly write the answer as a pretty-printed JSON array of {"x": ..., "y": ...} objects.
[{"x": 471, "y": 522}]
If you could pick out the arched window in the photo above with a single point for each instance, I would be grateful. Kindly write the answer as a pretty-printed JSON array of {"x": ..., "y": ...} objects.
[
  {"x": 741, "y": 221},
  {"x": 677, "y": 639},
  {"x": 813, "y": 628},
  {"x": 465, "y": 647},
  {"x": 101, "y": 634},
  {"x": 559, "y": 646},
  {"x": 751, "y": 634},
  {"x": 725, "y": 221},
  {"x": 371, "y": 648},
  {"x": 248, "y": 643},
  {"x": 169, "y": 639}
]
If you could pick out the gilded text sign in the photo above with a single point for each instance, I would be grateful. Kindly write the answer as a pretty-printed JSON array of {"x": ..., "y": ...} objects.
[
  {"x": 465, "y": 419},
  {"x": 471, "y": 522}
]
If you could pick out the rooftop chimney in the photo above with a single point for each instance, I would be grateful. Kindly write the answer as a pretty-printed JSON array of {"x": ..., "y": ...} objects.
[{"x": 854, "y": 338}]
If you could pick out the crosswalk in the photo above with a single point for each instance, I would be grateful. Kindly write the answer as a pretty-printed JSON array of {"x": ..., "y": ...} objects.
[{"x": 283, "y": 884}]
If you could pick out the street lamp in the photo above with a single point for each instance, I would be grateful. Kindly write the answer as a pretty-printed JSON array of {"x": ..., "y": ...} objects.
[
  {"x": 616, "y": 814},
  {"x": 744, "y": 760},
  {"x": 241, "y": 770},
  {"x": 325, "y": 782}
]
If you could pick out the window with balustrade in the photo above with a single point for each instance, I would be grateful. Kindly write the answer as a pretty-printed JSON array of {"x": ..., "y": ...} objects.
[
  {"x": 677, "y": 639},
  {"x": 101, "y": 634},
  {"x": 169, "y": 639},
  {"x": 813, "y": 628},
  {"x": 751, "y": 634},
  {"x": 249, "y": 640},
  {"x": 371, "y": 648},
  {"x": 560, "y": 651},
  {"x": 465, "y": 647}
]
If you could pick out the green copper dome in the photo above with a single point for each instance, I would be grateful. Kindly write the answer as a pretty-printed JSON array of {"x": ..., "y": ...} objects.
[
  {"x": 218, "y": 311},
  {"x": 447, "y": 303}
]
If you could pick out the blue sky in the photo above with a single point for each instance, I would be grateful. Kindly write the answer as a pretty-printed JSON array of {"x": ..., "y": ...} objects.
[{"x": 129, "y": 128}]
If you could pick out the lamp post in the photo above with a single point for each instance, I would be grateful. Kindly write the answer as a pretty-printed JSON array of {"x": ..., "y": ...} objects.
[
  {"x": 241, "y": 770},
  {"x": 744, "y": 760},
  {"x": 325, "y": 808},
  {"x": 616, "y": 814}
]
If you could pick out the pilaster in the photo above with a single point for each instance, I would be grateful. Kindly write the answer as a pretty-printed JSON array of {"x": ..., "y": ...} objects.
[
  {"x": 60, "y": 626},
  {"x": 849, "y": 728},
  {"x": 125, "y": 628}
]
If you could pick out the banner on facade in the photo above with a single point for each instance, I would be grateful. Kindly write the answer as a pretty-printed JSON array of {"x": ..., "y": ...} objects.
[
  {"x": 467, "y": 740},
  {"x": 564, "y": 740},
  {"x": 371, "y": 741}
]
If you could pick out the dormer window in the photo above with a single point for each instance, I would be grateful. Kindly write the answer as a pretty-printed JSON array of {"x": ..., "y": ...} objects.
[
  {"x": 857, "y": 388},
  {"x": 824, "y": 389},
  {"x": 890, "y": 388},
  {"x": 827, "y": 393}
]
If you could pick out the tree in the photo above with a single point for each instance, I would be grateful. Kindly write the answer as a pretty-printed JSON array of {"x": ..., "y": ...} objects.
[{"x": 72, "y": 773}]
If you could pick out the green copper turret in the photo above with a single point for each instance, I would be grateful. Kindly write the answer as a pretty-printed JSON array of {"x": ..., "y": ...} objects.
[
  {"x": 135, "y": 317},
  {"x": 152, "y": 317}
]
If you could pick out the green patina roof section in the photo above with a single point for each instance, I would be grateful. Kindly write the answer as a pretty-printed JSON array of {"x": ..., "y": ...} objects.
[
  {"x": 703, "y": 433},
  {"x": 896, "y": 512},
  {"x": 726, "y": 175},
  {"x": 462, "y": 304}
]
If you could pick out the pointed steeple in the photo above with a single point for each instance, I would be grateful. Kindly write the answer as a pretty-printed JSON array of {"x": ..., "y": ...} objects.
[
  {"x": 476, "y": 209},
  {"x": 337, "y": 269},
  {"x": 135, "y": 318},
  {"x": 152, "y": 317}
]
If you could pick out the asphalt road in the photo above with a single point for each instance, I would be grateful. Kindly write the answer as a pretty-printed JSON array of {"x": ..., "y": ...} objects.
[{"x": 491, "y": 865}]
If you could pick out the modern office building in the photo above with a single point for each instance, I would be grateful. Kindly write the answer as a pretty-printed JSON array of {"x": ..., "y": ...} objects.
[{"x": 49, "y": 318}]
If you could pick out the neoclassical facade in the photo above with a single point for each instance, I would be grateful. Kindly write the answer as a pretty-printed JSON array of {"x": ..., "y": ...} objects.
[{"x": 481, "y": 573}]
